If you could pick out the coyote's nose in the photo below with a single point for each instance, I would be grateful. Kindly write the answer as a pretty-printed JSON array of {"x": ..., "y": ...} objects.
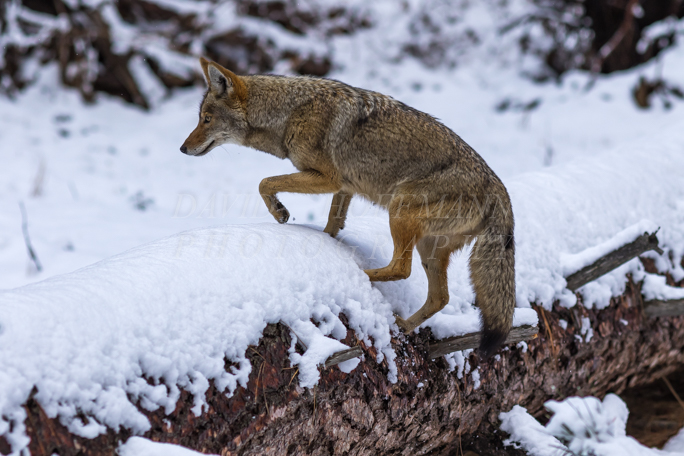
[{"x": 184, "y": 149}]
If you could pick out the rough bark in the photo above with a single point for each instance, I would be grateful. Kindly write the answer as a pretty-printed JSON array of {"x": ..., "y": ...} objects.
[{"x": 362, "y": 413}]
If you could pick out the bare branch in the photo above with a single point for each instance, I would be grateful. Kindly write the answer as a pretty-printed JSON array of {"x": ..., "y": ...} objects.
[
  {"x": 669, "y": 308},
  {"x": 616, "y": 258},
  {"x": 344, "y": 355},
  {"x": 472, "y": 340},
  {"x": 27, "y": 239}
]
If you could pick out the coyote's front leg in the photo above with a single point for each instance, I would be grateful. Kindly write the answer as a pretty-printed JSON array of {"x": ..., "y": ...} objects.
[
  {"x": 338, "y": 213},
  {"x": 305, "y": 182}
]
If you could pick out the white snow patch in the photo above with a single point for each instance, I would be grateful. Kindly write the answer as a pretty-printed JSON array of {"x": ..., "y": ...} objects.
[
  {"x": 475, "y": 375},
  {"x": 457, "y": 361},
  {"x": 586, "y": 329},
  {"x": 579, "y": 426},
  {"x": 654, "y": 287},
  {"x": 526, "y": 432},
  {"x": 676, "y": 443},
  {"x": 139, "y": 446}
]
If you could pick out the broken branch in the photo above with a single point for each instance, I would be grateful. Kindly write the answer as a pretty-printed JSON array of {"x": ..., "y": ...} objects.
[
  {"x": 669, "y": 308},
  {"x": 616, "y": 258},
  {"x": 342, "y": 356},
  {"x": 472, "y": 340},
  {"x": 27, "y": 239}
]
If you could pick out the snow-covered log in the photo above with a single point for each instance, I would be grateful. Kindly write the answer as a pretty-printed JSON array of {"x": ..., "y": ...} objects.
[{"x": 428, "y": 409}]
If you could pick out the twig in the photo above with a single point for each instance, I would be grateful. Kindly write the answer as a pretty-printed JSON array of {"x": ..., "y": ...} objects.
[
  {"x": 674, "y": 393},
  {"x": 548, "y": 331},
  {"x": 299, "y": 339},
  {"x": 263, "y": 390},
  {"x": 256, "y": 392},
  {"x": 293, "y": 376},
  {"x": 616, "y": 258},
  {"x": 27, "y": 239},
  {"x": 472, "y": 340},
  {"x": 342, "y": 356}
]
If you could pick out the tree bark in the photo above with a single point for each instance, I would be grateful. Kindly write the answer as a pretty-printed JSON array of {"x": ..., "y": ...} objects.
[{"x": 429, "y": 410}]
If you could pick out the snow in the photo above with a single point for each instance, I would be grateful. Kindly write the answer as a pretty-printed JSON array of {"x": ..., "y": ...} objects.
[
  {"x": 526, "y": 432},
  {"x": 654, "y": 287},
  {"x": 579, "y": 426},
  {"x": 205, "y": 267},
  {"x": 676, "y": 443},
  {"x": 138, "y": 446},
  {"x": 171, "y": 312},
  {"x": 586, "y": 329},
  {"x": 475, "y": 375},
  {"x": 458, "y": 361}
]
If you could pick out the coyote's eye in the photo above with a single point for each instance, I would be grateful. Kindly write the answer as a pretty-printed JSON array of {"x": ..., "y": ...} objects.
[{"x": 207, "y": 119}]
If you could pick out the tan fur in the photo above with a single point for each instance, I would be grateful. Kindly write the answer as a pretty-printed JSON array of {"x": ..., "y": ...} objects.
[{"x": 439, "y": 192}]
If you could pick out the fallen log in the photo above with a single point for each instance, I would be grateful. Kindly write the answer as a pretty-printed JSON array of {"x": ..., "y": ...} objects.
[
  {"x": 616, "y": 258},
  {"x": 428, "y": 410}
]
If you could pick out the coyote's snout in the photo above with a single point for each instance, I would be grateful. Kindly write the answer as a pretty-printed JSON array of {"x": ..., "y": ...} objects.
[{"x": 349, "y": 141}]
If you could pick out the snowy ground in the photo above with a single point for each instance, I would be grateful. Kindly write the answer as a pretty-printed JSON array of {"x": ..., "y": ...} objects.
[
  {"x": 585, "y": 168},
  {"x": 581, "y": 426}
]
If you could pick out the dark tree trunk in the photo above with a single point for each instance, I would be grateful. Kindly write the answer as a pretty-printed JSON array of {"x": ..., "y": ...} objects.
[{"x": 362, "y": 413}]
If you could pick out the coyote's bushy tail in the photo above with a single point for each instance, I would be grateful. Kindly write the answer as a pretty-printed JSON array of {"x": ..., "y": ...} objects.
[{"x": 492, "y": 271}]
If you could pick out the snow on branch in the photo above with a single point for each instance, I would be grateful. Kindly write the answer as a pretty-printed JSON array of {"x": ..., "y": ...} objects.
[
  {"x": 617, "y": 256},
  {"x": 661, "y": 300}
]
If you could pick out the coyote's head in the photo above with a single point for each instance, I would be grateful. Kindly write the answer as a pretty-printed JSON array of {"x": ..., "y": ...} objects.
[{"x": 222, "y": 116}]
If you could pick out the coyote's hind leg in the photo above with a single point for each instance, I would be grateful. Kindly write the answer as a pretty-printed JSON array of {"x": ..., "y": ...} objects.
[
  {"x": 338, "y": 213},
  {"x": 435, "y": 252}
]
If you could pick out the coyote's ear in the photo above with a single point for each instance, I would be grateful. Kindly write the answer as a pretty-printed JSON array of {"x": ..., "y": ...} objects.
[
  {"x": 218, "y": 82},
  {"x": 222, "y": 81}
]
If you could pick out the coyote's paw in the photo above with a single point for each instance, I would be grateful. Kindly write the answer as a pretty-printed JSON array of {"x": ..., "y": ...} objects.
[
  {"x": 281, "y": 214},
  {"x": 403, "y": 324},
  {"x": 331, "y": 230}
]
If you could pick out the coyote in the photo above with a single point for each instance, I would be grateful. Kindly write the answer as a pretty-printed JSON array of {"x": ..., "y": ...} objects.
[{"x": 439, "y": 192}]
